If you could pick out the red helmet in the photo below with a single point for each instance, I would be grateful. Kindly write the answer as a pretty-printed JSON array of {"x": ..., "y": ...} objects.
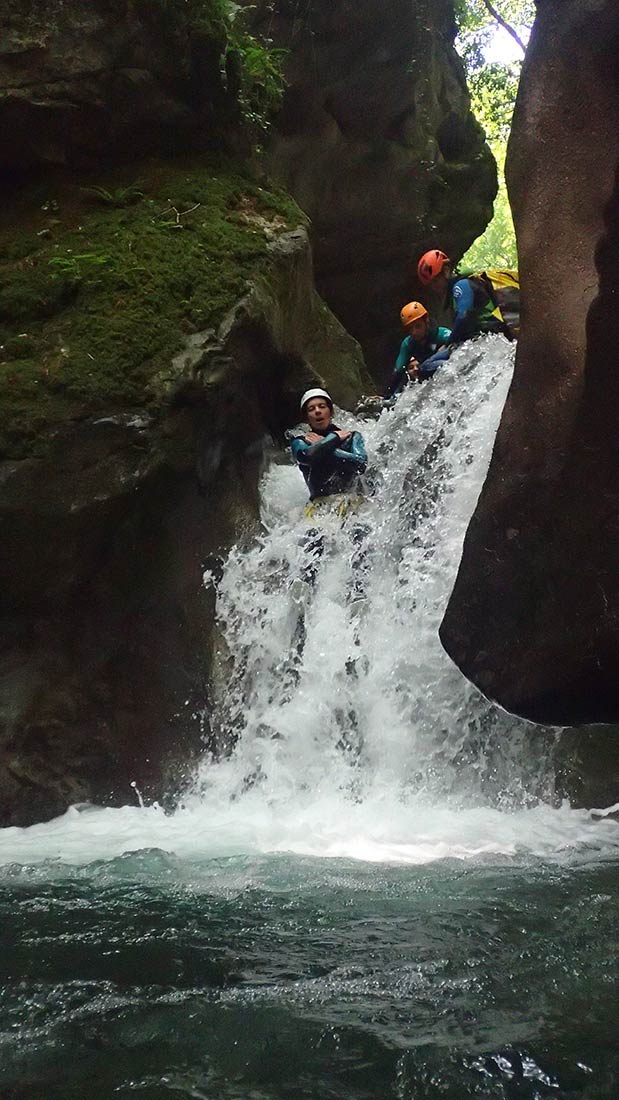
[{"x": 431, "y": 265}]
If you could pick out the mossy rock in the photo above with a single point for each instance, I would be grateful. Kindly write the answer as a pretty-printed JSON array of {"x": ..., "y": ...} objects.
[{"x": 94, "y": 310}]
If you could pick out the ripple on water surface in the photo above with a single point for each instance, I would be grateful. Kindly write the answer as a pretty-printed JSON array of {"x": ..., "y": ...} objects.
[{"x": 280, "y": 977}]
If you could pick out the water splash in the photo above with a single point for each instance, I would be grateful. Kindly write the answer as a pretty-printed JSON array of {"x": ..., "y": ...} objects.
[
  {"x": 340, "y": 726},
  {"x": 346, "y": 690}
]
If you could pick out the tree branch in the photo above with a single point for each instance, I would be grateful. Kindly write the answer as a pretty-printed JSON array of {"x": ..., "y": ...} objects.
[{"x": 502, "y": 22}]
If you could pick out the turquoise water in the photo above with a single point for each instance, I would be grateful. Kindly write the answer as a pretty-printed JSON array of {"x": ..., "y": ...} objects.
[{"x": 282, "y": 978}]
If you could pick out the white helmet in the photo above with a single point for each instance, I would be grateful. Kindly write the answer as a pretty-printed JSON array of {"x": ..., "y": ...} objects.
[{"x": 307, "y": 396}]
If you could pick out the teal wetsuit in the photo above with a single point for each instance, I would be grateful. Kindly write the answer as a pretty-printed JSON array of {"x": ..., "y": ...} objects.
[
  {"x": 422, "y": 351},
  {"x": 332, "y": 465}
]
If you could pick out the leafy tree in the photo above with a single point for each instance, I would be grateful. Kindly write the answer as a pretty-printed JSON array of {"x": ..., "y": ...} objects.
[
  {"x": 493, "y": 87},
  {"x": 479, "y": 19}
]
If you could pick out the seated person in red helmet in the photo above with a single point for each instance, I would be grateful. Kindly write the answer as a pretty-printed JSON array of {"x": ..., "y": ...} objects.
[
  {"x": 421, "y": 350},
  {"x": 329, "y": 458},
  {"x": 471, "y": 298}
]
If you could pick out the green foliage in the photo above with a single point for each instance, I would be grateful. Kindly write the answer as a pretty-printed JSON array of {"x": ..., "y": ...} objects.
[
  {"x": 493, "y": 86},
  {"x": 493, "y": 95},
  {"x": 257, "y": 65},
  {"x": 260, "y": 65},
  {"x": 31, "y": 294},
  {"x": 493, "y": 89},
  {"x": 118, "y": 196},
  {"x": 77, "y": 267},
  {"x": 20, "y": 247},
  {"x": 92, "y": 319},
  {"x": 497, "y": 245},
  {"x": 262, "y": 80},
  {"x": 476, "y": 24}
]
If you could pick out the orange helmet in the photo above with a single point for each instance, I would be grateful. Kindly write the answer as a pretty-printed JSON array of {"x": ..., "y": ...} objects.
[
  {"x": 412, "y": 312},
  {"x": 431, "y": 265}
]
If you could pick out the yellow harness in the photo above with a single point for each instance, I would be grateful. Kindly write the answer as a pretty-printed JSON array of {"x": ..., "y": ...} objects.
[{"x": 337, "y": 504}]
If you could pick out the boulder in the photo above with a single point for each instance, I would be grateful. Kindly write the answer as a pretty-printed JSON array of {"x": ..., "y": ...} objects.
[
  {"x": 377, "y": 143},
  {"x": 534, "y": 616}
]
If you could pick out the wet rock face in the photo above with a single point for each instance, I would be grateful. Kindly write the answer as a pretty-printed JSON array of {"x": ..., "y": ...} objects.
[
  {"x": 90, "y": 79},
  {"x": 377, "y": 144},
  {"x": 106, "y": 626},
  {"x": 534, "y": 617}
]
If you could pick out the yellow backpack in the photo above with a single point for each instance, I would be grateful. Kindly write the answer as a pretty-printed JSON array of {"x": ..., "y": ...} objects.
[{"x": 506, "y": 294}]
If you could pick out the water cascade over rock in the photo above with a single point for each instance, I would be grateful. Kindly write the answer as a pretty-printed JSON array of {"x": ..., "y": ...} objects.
[{"x": 337, "y": 724}]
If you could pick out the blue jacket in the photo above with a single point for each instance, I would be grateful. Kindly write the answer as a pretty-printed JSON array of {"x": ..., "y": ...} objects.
[
  {"x": 470, "y": 301},
  {"x": 423, "y": 351},
  {"x": 475, "y": 308},
  {"x": 330, "y": 466}
]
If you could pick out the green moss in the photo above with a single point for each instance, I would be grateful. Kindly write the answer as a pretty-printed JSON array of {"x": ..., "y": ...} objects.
[
  {"x": 33, "y": 293},
  {"x": 19, "y": 248},
  {"x": 91, "y": 317}
]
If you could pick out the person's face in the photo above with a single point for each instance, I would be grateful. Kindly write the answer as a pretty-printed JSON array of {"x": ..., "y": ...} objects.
[
  {"x": 318, "y": 413},
  {"x": 419, "y": 328},
  {"x": 438, "y": 286}
]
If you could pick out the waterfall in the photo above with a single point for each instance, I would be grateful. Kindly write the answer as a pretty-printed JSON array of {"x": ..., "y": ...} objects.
[
  {"x": 341, "y": 687},
  {"x": 339, "y": 725}
]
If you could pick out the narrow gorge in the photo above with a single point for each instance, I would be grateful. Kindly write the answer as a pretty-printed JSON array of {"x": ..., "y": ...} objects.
[
  {"x": 159, "y": 318},
  {"x": 308, "y": 778}
]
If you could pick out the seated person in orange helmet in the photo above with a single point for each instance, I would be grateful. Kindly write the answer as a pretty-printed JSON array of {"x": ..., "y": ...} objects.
[{"x": 421, "y": 350}]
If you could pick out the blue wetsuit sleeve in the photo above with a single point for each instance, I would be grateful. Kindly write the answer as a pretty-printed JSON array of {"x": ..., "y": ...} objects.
[
  {"x": 299, "y": 448},
  {"x": 431, "y": 365},
  {"x": 306, "y": 454},
  {"x": 357, "y": 455},
  {"x": 463, "y": 298}
]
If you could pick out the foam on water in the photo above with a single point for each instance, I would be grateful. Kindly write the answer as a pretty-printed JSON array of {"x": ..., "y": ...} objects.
[
  {"x": 348, "y": 731},
  {"x": 378, "y": 830}
]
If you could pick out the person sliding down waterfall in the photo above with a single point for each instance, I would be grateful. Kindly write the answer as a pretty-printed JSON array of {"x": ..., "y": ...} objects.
[
  {"x": 331, "y": 461},
  {"x": 471, "y": 298},
  {"x": 329, "y": 458}
]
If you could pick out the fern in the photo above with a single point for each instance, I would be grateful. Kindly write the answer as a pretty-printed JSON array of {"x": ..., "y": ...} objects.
[{"x": 118, "y": 196}]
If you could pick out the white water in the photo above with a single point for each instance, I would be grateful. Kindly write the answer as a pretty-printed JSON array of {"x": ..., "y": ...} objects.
[{"x": 352, "y": 733}]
